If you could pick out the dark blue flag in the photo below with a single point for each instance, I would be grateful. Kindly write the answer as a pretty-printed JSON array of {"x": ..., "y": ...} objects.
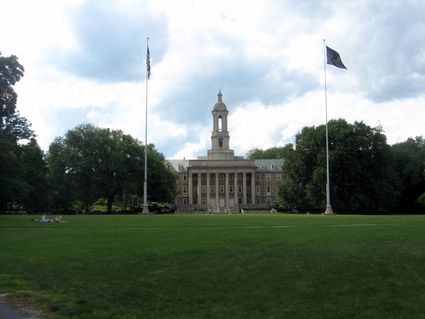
[{"x": 334, "y": 58}]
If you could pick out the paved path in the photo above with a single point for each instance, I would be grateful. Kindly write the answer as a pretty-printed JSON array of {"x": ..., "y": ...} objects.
[{"x": 9, "y": 312}]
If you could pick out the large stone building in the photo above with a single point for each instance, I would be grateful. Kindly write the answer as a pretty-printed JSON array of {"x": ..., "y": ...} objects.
[{"x": 223, "y": 182}]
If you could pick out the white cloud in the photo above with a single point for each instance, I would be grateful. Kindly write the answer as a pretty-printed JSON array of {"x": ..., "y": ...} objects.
[{"x": 267, "y": 57}]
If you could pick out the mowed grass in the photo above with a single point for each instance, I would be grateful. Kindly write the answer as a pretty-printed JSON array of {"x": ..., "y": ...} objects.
[{"x": 217, "y": 266}]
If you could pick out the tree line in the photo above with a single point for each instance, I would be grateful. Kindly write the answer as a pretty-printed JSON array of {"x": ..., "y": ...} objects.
[
  {"x": 88, "y": 165},
  {"x": 366, "y": 174}
]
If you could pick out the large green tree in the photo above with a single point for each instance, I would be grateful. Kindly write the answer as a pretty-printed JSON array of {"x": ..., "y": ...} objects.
[
  {"x": 102, "y": 163},
  {"x": 361, "y": 173},
  {"x": 409, "y": 158},
  {"x": 61, "y": 187},
  {"x": 34, "y": 193},
  {"x": 13, "y": 129}
]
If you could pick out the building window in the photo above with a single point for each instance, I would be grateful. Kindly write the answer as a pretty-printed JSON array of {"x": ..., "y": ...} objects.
[
  {"x": 257, "y": 200},
  {"x": 231, "y": 177},
  {"x": 184, "y": 190},
  {"x": 239, "y": 189},
  {"x": 184, "y": 201},
  {"x": 204, "y": 176},
  {"x": 240, "y": 200},
  {"x": 222, "y": 176},
  {"x": 185, "y": 177},
  {"x": 268, "y": 176},
  {"x": 278, "y": 177},
  {"x": 262, "y": 166},
  {"x": 204, "y": 189},
  {"x": 220, "y": 123},
  {"x": 240, "y": 176},
  {"x": 257, "y": 177},
  {"x": 213, "y": 190},
  {"x": 230, "y": 188},
  {"x": 204, "y": 200},
  {"x": 258, "y": 189},
  {"x": 222, "y": 189},
  {"x": 220, "y": 142},
  {"x": 273, "y": 166},
  {"x": 268, "y": 189}
]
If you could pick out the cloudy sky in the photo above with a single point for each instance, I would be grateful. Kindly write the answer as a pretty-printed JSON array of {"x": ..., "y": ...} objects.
[{"x": 85, "y": 63}]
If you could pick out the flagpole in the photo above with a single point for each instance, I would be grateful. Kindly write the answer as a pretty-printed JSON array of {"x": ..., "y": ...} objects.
[
  {"x": 328, "y": 210},
  {"x": 145, "y": 183}
]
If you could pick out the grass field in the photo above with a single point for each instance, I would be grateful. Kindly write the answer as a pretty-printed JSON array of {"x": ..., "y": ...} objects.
[{"x": 221, "y": 266}]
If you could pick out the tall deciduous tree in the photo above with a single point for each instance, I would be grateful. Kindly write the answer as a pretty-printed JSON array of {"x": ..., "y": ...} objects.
[
  {"x": 409, "y": 158},
  {"x": 61, "y": 187},
  {"x": 13, "y": 129},
  {"x": 34, "y": 193},
  {"x": 102, "y": 163},
  {"x": 361, "y": 172}
]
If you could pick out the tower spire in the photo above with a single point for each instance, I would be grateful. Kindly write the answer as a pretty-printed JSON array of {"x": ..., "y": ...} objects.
[{"x": 219, "y": 95}]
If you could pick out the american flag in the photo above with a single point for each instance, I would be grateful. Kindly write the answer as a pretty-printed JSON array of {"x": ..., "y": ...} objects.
[{"x": 148, "y": 63}]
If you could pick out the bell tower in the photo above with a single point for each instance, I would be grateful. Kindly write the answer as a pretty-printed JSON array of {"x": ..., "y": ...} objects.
[{"x": 220, "y": 135}]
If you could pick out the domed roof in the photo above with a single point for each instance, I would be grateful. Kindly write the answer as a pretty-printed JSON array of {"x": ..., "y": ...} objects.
[{"x": 220, "y": 106}]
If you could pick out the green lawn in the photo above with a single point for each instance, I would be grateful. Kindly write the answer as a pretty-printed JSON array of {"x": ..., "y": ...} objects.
[{"x": 217, "y": 266}]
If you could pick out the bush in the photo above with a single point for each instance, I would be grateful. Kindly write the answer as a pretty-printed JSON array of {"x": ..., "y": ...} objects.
[{"x": 421, "y": 199}]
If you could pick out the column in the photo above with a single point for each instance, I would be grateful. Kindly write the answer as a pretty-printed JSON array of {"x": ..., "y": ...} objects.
[
  {"x": 235, "y": 189},
  {"x": 226, "y": 189},
  {"x": 190, "y": 189},
  {"x": 198, "y": 190},
  {"x": 253, "y": 188},
  {"x": 208, "y": 190},
  {"x": 217, "y": 194},
  {"x": 244, "y": 188}
]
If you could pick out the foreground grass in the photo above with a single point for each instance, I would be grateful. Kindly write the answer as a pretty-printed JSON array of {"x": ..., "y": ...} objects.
[{"x": 202, "y": 266}]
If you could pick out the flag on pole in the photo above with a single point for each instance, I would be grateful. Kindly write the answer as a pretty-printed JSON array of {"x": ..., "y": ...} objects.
[
  {"x": 148, "y": 63},
  {"x": 333, "y": 58}
]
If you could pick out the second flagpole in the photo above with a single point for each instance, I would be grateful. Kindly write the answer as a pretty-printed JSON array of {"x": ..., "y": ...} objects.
[{"x": 328, "y": 210}]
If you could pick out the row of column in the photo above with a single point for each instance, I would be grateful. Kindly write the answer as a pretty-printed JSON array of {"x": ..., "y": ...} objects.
[{"x": 216, "y": 201}]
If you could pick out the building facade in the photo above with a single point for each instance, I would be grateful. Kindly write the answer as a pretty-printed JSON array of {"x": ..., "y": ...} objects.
[{"x": 223, "y": 182}]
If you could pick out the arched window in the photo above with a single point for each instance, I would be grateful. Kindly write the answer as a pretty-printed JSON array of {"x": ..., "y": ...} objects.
[
  {"x": 220, "y": 123},
  {"x": 220, "y": 142}
]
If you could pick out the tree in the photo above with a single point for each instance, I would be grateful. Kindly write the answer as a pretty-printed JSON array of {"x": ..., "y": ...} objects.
[
  {"x": 102, "y": 163},
  {"x": 13, "y": 129},
  {"x": 61, "y": 187},
  {"x": 34, "y": 194},
  {"x": 161, "y": 180},
  {"x": 271, "y": 153},
  {"x": 361, "y": 174},
  {"x": 409, "y": 159},
  {"x": 421, "y": 199}
]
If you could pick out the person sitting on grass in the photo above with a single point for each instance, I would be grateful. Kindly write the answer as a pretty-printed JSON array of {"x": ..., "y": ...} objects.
[{"x": 44, "y": 219}]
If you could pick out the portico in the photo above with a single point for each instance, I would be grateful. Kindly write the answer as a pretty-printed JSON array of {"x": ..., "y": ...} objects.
[{"x": 221, "y": 185}]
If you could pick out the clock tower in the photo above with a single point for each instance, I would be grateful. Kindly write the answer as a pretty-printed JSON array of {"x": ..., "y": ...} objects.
[{"x": 220, "y": 135}]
